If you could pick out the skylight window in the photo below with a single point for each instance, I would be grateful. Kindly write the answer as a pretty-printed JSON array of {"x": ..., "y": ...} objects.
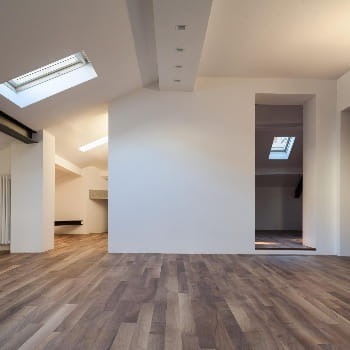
[
  {"x": 281, "y": 147},
  {"x": 48, "y": 72},
  {"x": 48, "y": 80}
]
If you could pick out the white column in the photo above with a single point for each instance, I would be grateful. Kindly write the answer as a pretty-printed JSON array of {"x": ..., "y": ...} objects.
[
  {"x": 309, "y": 174},
  {"x": 33, "y": 195}
]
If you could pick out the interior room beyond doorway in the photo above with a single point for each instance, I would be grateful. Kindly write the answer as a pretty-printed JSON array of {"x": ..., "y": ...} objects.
[{"x": 279, "y": 177}]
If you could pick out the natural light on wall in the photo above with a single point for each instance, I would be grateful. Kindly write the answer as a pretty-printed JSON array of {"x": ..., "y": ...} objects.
[
  {"x": 48, "y": 80},
  {"x": 94, "y": 144},
  {"x": 281, "y": 147}
]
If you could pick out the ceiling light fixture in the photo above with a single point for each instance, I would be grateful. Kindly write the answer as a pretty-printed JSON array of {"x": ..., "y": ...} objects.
[{"x": 93, "y": 144}]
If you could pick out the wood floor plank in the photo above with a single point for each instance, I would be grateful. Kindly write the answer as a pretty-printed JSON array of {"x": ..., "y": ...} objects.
[
  {"x": 47, "y": 328},
  {"x": 78, "y": 296},
  {"x": 123, "y": 339},
  {"x": 140, "y": 336}
]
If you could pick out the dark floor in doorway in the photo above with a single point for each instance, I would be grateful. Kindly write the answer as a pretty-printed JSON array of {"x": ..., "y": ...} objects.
[{"x": 279, "y": 240}]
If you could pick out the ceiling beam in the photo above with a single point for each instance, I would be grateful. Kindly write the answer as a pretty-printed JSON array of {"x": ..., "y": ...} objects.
[
  {"x": 180, "y": 28},
  {"x": 278, "y": 171},
  {"x": 16, "y": 129}
]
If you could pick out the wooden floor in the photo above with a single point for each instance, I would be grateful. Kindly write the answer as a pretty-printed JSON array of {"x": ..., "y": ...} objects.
[
  {"x": 280, "y": 240},
  {"x": 79, "y": 297}
]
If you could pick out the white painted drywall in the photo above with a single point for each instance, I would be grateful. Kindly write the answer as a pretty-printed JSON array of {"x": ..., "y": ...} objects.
[
  {"x": 181, "y": 167},
  {"x": 66, "y": 166},
  {"x": 97, "y": 209},
  {"x": 48, "y": 196},
  {"x": 182, "y": 172},
  {"x": 344, "y": 239},
  {"x": 73, "y": 202},
  {"x": 343, "y": 116},
  {"x": 32, "y": 195},
  {"x": 277, "y": 209},
  {"x": 310, "y": 173},
  {"x": 343, "y": 89},
  {"x": 70, "y": 203},
  {"x": 5, "y": 161}
]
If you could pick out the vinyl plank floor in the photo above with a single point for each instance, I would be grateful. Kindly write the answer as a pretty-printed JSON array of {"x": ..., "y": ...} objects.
[{"x": 78, "y": 296}]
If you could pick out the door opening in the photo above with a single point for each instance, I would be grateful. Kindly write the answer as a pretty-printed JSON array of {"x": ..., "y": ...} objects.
[{"x": 278, "y": 177}]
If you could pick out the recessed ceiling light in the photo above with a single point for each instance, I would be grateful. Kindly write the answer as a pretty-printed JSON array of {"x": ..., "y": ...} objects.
[
  {"x": 181, "y": 27},
  {"x": 179, "y": 49},
  {"x": 177, "y": 80},
  {"x": 94, "y": 144}
]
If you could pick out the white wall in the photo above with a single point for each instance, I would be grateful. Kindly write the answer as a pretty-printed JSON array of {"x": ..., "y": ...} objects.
[
  {"x": 32, "y": 195},
  {"x": 343, "y": 123},
  {"x": 73, "y": 202},
  {"x": 277, "y": 209},
  {"x": 5, "y": 165},
  {"x": 310, "y": 173},
  {"x": 5, "y": 161},
  {"x": 70, "y": 203},
  {"x": 344, "y": 239},
  {"x": 96, "y": 210},
  {"x": 181, "y": 167}
]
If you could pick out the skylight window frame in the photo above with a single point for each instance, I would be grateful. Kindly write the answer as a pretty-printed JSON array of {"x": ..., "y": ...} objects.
[
  {"x": 51, "y": 85},
  {"x": 81, "y": 60},
  {"x": 281, "y": 153}
]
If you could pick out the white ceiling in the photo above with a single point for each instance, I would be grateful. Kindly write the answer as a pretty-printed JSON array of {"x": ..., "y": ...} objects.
[
  {"x": 277, "y": 38},
  {"x": 194, "y": 14},
  {"x": 255, "y": 38},
  {"x": 36, "y": 32}
]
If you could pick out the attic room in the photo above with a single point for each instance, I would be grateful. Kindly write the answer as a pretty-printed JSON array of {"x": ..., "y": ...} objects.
[{"x": 174, "y": 174}]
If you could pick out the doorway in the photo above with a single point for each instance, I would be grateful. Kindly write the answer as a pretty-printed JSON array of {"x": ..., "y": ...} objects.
[{"x": 279, "y": 177}]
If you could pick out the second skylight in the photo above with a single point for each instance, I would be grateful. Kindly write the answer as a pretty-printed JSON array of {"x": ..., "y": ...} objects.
[{"x": 281, "y": 147}]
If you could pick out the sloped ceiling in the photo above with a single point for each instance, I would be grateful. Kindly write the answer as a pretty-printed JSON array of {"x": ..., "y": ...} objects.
[
  {"x": 251, "y": 38},
  {"x": 37, "y": 32},
  {"x": 277, "y": 38}
]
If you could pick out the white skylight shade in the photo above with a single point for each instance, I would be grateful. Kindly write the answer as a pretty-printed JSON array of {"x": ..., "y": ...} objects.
[
  {"x": 48, "y": 72},
  {"x": 48, "y": 80},
  {"x": 94, "y": 144},
  {"x": 281, "y": 147}
]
